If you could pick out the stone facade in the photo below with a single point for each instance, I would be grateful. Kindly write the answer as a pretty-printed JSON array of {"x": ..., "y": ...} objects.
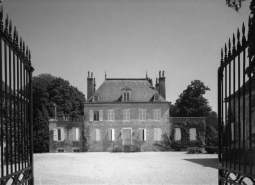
[{"x": 106, "y": 144}]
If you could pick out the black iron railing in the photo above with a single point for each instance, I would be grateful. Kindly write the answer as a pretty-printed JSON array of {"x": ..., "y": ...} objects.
[
  {"x": 236, "y": 104},
  {"x": 16, "y": 135}
]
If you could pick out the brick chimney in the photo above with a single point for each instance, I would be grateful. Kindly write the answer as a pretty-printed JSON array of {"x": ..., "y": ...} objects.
[
  {"x": 162, "y": 87},
  {"x": 90, "y": 85}
]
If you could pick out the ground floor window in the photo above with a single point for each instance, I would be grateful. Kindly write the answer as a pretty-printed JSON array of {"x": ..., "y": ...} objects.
[
  {"x": 142, "y": 134},
  {"x": 157, "y": 134},
  {"x": 96, "y": 135},
  {"x": 178, "y": 135},
  {"x": 192, "y": 134}
]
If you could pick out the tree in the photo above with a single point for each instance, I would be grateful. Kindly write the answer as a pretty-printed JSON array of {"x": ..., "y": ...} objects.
[
  {"x": 191, "y": 102},
  {"x": 47, "y": 91},
  {"x": 211, "y": 134}
]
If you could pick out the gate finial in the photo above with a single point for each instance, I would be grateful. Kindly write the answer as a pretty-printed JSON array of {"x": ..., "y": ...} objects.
[
  {"x": 1, "y": 14},
  {"x": 238, "y": 35},
  {"x": 243, "y": 30}
]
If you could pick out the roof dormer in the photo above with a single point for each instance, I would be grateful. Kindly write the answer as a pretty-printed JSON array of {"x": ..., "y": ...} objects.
[
  {"x": 96, "y": 98},
  {"x": 156, "y": 97},
  {"x": 126, "y": 94}
]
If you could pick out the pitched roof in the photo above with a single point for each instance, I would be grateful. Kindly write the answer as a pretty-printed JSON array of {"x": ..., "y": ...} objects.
[{"x": 112, "y": 88}]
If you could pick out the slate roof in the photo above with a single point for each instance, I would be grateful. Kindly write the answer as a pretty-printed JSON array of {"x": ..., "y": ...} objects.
[{"x": 141, "y": 90}]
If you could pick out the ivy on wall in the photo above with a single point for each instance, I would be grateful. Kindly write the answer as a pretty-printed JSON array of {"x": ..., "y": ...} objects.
[{"x": 185, "y": 141}]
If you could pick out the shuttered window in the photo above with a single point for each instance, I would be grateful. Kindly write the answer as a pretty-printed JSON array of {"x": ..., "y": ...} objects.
[
  {"x": 142, "y": 134},
  {"x": 111, "y": 134},
  {"x": 157, "y": 134},
  {"x": 193, "y": 134},
  {"x": 142, "y": 114},
  {"x": 178, "y": 135},
  {"x": 157, "y": 114},
  {"x": 110, "y": 115},
  {"x": 127, "y": 138},
  {"x": 91, "y": 115},
  {"x": 101, "y": 115},
  {"x": 58, "y": 134}
]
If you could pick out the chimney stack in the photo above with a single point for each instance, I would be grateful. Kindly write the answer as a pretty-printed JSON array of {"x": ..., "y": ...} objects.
[
  {"x": 162, "y": 87},
  {"x": 90, "y": 85}
]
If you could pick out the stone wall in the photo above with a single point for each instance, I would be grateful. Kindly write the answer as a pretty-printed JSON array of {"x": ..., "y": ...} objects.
[{"x": 118, "y": 124}]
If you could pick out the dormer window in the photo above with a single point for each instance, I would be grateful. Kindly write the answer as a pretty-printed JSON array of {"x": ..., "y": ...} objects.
[
  {"x": 126, "y": 94},
  {"x": 156, "y": 97},
  {"x": 96, "y": 98}
]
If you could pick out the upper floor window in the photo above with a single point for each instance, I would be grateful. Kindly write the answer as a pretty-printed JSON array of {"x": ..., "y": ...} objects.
[
  {"x": 157, "y": 114},
  {"x": 111, "y": 115},
  {"x": 142, "y": 114},
  {"x": 126, "y": 114},
  {"x": 96, "y": 115}
]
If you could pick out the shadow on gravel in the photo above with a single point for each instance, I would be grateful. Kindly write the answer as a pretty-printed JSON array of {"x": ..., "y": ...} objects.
[{"x": 206, "y": 162}]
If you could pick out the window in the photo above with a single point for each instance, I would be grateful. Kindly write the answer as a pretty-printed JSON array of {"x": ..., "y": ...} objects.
[
  {"x": 157, "y": 115},
  {"x": 142, "y": 134},
  {"x": 156, "y": 97},
  {"x": 157, "y": 134},
  {"x": 91, "y": 115},
  {"x": 142, "y": 114},
  {"x": 100, "y": 115},
  {"x": 58, "y": 134},
  {"x": 76, "y": 150},
  {"x": 96, "y": 116},
  {"x": 111, "y": 134},
  {"x": 76, "y": 134},
  {"x": 126, "y": 96},
  {"x": 96, "y": 98},
  {"x": 192, "y": 134},
  {"x": 96, "y": 135},
  {"x": 60, "y": 150},
  {"x": 126, "y": 114},
  {"x": 127, "y": 136},
  {"x": 178, "y": 135},
  {"x": 110, "y": 115}
]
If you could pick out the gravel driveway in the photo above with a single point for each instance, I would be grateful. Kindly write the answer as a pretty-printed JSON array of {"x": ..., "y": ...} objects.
[{"x": 125, "y": 168}]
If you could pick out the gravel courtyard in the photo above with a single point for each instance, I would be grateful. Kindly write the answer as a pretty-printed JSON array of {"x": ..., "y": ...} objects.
[{"x": 125, "y": 168}]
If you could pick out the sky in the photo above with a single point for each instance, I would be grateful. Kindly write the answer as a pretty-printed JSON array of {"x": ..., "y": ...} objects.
[{"x": 125, "y": 38}]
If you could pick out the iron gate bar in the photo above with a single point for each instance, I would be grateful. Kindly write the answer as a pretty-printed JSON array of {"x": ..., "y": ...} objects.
[
  {"x": 16, "y": 107},
  {"x": 235, "y": 121}
]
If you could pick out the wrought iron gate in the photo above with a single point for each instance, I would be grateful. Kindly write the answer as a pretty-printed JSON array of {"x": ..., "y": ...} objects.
[
  {"x": 15, "y": 106},
  {"x": 236, "y": 110}
]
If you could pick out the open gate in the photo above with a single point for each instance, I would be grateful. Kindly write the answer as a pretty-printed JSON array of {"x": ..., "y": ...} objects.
[
  {"x": 16, "y": 139},
  {"x": 236, "y": 110}
]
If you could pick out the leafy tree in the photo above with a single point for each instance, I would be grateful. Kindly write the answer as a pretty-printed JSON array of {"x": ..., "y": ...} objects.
[
  {"x": 211, "y": 134},
  {"x": 191, "y": 102},
  {"x": 47, "y": 91},
  {"x": 173, "y": 111}
]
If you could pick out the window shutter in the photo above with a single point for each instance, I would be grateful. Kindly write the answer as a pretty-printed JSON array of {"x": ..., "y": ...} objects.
[
  {"x": 55, "y": 134},
  {"x": 144, "y": 134},
  {"x": 155, "y": 116},
  {"x": 100, "y": 115},
  {"x": 62, "y": 134},
  {"x": 128, "y": 115},
  {"x": 113, "y": 117},
  {"x": 192, "y": 132},
  {"x": 91, "y": 115},
  {"x": 159, "y": 134},
  {"x": 77, "y": 134},
  {"x": 113, "y": 134},
  {"x": 141, "y": 134},
  {"x": 109, "y": 134},
  {"x": 159, "y": 116}
]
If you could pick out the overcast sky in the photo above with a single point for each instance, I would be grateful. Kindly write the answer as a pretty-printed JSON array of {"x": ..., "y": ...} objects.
[{"x": 127, "y": 37}]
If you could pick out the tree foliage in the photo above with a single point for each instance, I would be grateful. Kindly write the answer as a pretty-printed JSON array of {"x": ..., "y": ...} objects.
[
  {"x": 191, "y": 102},
  {"x": 47, "y": 91}
]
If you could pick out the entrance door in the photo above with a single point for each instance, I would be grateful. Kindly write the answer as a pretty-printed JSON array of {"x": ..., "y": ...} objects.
[{"x": 127, "y": 137}]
